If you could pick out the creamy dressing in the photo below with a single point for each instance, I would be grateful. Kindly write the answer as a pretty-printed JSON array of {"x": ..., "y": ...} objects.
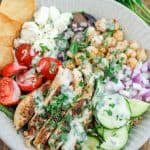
[
  {"x": 39, "y": 101},
  {"x": 65, "y": 76},
  {"x": 77, "y": 133},
  {"x": 68, "y": 91}
]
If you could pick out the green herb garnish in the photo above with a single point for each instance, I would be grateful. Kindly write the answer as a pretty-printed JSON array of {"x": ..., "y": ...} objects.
[
  {"x": 109, "y": 112},
  {"x": 81, "y": 83},
  {"x": 74, "y": 47},
  {"x": 52, "y": 67},
  {"x": 44, "y": 47},
  {"x": 112, "y": 105}
]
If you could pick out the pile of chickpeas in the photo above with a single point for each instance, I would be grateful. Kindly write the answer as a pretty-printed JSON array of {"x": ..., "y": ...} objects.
[
  {"x": 129, "y": 51},
  {"x": 107, "y": 38}
]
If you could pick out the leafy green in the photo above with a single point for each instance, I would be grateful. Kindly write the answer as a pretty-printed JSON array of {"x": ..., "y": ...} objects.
[{"x": 7, "y": 111}]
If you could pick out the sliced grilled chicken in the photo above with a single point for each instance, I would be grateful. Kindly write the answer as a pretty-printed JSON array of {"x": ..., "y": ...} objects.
[
  {"x": 47, "y": 129},
  {"x": 26, "y": 108},
  {"x": 63, "y": 77},
  {"x": 77, "y": 110},
  {"x": 78, "y": 82}
]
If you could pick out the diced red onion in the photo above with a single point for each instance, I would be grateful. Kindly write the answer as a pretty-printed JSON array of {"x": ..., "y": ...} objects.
[
  {"x": 124, "y": 93},
  {"x": 137, "y": 86},
  {"x": 136, "y": 79},
  {"x": 144, "y": 67}
]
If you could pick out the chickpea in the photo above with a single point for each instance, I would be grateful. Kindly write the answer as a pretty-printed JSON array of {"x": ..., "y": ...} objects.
[
  {"x": 70, "y": 64},
  {"x": 79, "y": 58},
  {"x": 111, "y": 42},
  {"x": 122, "y": 45},
  {"x": 103, "y": 50},
  {"x": 131, "y": 53},
  {"x": 141, "y": 54},
  {"x": 132, "y": 62},
  {"x": 134, "y": 45},
  {"x": 69, "y": 54},
  {"x": 101, "y": 25},
  {"x": 110, "y": 57},
  {"x": 122, "y": 57},
  {"x": 93, "y": 52},
  {"x": 91, "y": 32},
  {"x": 104, "y": 63},
  {"x": 96, "y": 41},
  {"x": 118, "y": 35}
]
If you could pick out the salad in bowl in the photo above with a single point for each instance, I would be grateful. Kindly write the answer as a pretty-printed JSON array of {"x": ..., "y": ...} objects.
[{"x": 76, "y": 83}]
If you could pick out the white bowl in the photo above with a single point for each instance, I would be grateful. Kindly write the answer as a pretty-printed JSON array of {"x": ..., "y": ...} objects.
[{"x": 134, "y": 28}]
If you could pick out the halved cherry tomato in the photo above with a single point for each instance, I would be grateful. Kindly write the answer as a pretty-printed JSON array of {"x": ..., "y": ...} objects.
[
  {"x": 9, "y": 91},
  {"x": 12, "y": 69},
  {"x": 49, "y": 67},
  {"x": 24, "y": 54},
  {"x": 29, "y": 81}
]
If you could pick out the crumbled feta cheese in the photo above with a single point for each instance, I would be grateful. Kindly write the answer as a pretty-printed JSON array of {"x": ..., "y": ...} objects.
[
  {"x": 41, "y": 16},
  {"x": 62, "y": 23},
  {"x": 54, "y": 13},
  {"x": 30, "y": 32}
]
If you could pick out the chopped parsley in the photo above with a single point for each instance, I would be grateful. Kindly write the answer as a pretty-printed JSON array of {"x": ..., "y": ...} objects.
[
  {"x": 68, "y": 118},
  {"x": 44, "y": 47},
  {"x": 81, "y": 83},
  {"x": 61, "y": 43},
  {"x": 52, "y": 67},
  {"x": 114, "y": 79},
  {"x": 112, "y": 105},
  {"x": 109, "y": 112},
  {"x": 74, "y": 47},
  {"x": 108, "y": 34},
  {"x": 82, "y": 57},
  {"x": 56, "y": 107},
  {"x": 63, "y": 137}
]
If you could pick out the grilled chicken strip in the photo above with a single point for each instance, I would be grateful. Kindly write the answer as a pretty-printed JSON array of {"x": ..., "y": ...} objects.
[
  {"x": 79, "y": 108},
  {"x": 26, "y": 108},
  {"x": 48, "y": 128},
  {"x": 63, "y": 77}
]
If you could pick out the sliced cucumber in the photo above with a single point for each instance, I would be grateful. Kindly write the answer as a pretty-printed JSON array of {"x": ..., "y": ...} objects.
[
  {"x": 138, "y": 107},
  {"x": 92, "y": 143},
  {"x": 99, "y": 92},
  {"x": 100, "y": 130},
  {"x": 112, "y": 111},
  {"x": 115, "y": 139}
]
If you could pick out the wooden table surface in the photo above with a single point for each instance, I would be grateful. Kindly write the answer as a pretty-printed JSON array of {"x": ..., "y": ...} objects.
[{"x": 146, "y": 146}]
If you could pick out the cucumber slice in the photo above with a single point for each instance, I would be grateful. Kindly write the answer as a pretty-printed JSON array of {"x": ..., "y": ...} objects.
[
  {"x": 92, "y": 143},
  {"x": 112, "y": 111},
  {"x": 115, "y": 139},
  {"x": 138, "y": 107},
  {"x": 100, "y": 130}
]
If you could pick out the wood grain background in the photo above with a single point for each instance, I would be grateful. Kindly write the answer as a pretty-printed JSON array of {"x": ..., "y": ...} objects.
[{"x": 146, "y": 146}]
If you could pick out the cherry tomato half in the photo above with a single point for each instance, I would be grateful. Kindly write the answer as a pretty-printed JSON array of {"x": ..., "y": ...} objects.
[
  {"x": 12, "y": 69},
  {"x": 9, "y": 91},
  {"x": 24, "y": 54},
  {"x": 29, "y": 81},
  {"x": 48, "y": 67}
]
